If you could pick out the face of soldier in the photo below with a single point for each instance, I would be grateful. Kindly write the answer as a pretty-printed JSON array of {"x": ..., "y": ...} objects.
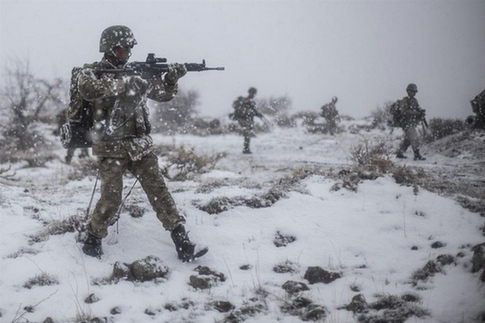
[
  {"x": 122, "y": 53},
  {"x": 411, "y": 93}
]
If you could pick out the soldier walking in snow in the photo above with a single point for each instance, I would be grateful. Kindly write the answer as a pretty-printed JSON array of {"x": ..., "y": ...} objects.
[
  {"x": 121, "y": 138},
  {"x": 410, "y": 114},
  {"x": 244, "y": 113},
  {"x": 330, "y": 113}
]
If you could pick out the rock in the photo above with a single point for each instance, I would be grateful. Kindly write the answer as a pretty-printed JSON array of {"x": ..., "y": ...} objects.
[
  {"x": 292, "y": 287},
  {"x": 91, "y": 299},
  {"x": 318, "y": 275},
  {"x": 281, "y": 240},
  {"x": 115, "y": 310},
  {"x": 445, "y": 259},
  {"x": 120, "y": 271},
  {"x": 148, "y": 268},
  {"x": 222, "y": 306},
  {"x": 210, "y": 278},
  {"x": 438, "y": 244},
  {"x": 358, "y": 304},
  {"x": 200, "y": 282}
]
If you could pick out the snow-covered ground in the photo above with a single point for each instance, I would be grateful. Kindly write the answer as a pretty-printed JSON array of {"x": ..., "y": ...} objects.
[{"x": 376, "y": 237}]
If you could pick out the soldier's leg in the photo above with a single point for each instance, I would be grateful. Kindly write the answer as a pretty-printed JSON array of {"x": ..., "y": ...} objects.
[
  {"x": 404, "y": 145},
  {"x": 151, "y": 179},
  {"x": 69, "y": 155},
  {"x": 111, "y": 174},
  {"x": 247, "y": 142},
  {"x": 414, "y": 141}
]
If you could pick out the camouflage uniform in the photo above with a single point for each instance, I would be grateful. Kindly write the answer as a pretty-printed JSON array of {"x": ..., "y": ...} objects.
[
  {"x": 245, "y": 111},
  {"x": 61, "y": 120},
  {"x": 411, "y": 115},
  {"x": 331, "y": 115},
  {"x": 121, "y": 141},
  {"x": 478, "y": 107}
]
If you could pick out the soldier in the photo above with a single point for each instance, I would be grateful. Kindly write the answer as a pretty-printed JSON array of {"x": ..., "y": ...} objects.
[
  {"x": 121, "y": 139},
  {"x": 411, "y": 115},
  {"x": 331, "y": 115},
  {"x": 62, "y": 119},
  {"x": 244, "y": 113},
  {"x": 478, "y": 107}
]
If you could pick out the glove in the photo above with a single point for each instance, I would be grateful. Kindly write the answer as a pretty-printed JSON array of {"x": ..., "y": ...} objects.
[
  {"x": 175, "y": 71},
  {"x": 135, "y": 85}
]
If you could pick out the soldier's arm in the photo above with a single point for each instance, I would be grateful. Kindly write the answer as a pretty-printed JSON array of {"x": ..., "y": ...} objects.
[
  {"x": 92, "y": 88},
  {"x": 161, "y": 91}
]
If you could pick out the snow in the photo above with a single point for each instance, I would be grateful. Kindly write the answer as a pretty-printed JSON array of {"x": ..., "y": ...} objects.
[{"x": 368, "y": 236}]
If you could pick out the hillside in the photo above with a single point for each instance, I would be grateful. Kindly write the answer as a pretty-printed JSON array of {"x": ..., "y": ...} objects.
[{"x": 297, "y": 231}]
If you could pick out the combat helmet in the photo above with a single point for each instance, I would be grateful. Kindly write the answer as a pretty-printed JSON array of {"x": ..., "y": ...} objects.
[
  {"x": 412, "y": 87},
  {"x": 115, "y": 36},
  {"x": 252, "y": 90}
]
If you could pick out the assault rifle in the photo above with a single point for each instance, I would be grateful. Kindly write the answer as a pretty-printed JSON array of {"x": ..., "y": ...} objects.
[{"x": 156, "y": 66}]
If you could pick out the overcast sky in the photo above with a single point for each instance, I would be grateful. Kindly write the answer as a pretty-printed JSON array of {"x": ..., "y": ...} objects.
[{"x": 363, "y": 52}]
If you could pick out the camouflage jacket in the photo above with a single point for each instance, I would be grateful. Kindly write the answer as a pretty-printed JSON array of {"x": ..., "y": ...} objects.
[
  {"x": 329, "y": 111},
  {"x": 121, "y": 118},
  {"x": 411, "y": 113},
  {"x": 478, "y": 105},
  {"x": 245, "y": 110}
]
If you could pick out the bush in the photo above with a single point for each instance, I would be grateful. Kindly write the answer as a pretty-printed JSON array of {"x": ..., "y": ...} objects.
[
  {"x": 439, "y": 128},
  {"x": 185, "y": 162},
  {"x": 372, "y": 153},
  {"x": 41, "y": 280}
]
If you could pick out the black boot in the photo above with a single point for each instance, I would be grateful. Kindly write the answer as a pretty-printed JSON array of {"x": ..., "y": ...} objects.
[
  {"x": 400, "y": 156},
  {"x": 92, "y": 246},
  {"x": 185, "y": 248},
  {"x": 417, "y": 155}
]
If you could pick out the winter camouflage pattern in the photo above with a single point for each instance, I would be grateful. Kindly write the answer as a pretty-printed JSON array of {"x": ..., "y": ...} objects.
[
  {"x": 478, "y": 107},
  {"x": 148, "y": 172},
  {"x": 116, "y": 36},
  {"x": 330, "y": 113},
  {"x": 411, "y": 114},
  {"x": 121, "y": 141},
  {"x": 244, "y": 113}
]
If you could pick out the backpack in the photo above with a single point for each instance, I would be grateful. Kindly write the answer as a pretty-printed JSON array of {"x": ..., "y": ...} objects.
[
  {"x": 396, "y": 117},
  {"x": 238, "y": 109},
  {"x": 75, "y": 133}
]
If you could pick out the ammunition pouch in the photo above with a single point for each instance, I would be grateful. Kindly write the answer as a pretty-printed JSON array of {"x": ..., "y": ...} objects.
[{"x": 75, "y": 135}]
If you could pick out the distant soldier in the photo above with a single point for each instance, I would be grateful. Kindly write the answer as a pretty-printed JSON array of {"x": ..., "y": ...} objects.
[
  {"x": 331, "y": 115},
  {"x": 244, "y": 113},
  {"x": 478, "y": 107},
  {"x": 411, "y": 114},
  {"x": 62, "y": 119}
]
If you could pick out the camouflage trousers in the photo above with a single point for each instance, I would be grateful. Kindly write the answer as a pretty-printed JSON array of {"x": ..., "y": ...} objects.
[
  {"x": 147, "y": 171},
  {"x": 411, "y": 138}
]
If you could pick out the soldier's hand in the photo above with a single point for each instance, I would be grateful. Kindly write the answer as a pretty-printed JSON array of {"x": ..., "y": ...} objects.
[
  {"x": 175, "y": 71},
  {"x": 135, "y": 85}
]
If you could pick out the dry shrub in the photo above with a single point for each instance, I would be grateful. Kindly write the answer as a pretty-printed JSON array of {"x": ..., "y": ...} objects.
[
  {"x": 373, "y": 153},
  {"x": 185, "y": 162},
  {"x": 41, "y": 280},
  {"x": 439, "y": 128},
  {"x": 407, "y": 175},
  {"x": 391, "y": 308},
  {"x": 69, "y": 224}
]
